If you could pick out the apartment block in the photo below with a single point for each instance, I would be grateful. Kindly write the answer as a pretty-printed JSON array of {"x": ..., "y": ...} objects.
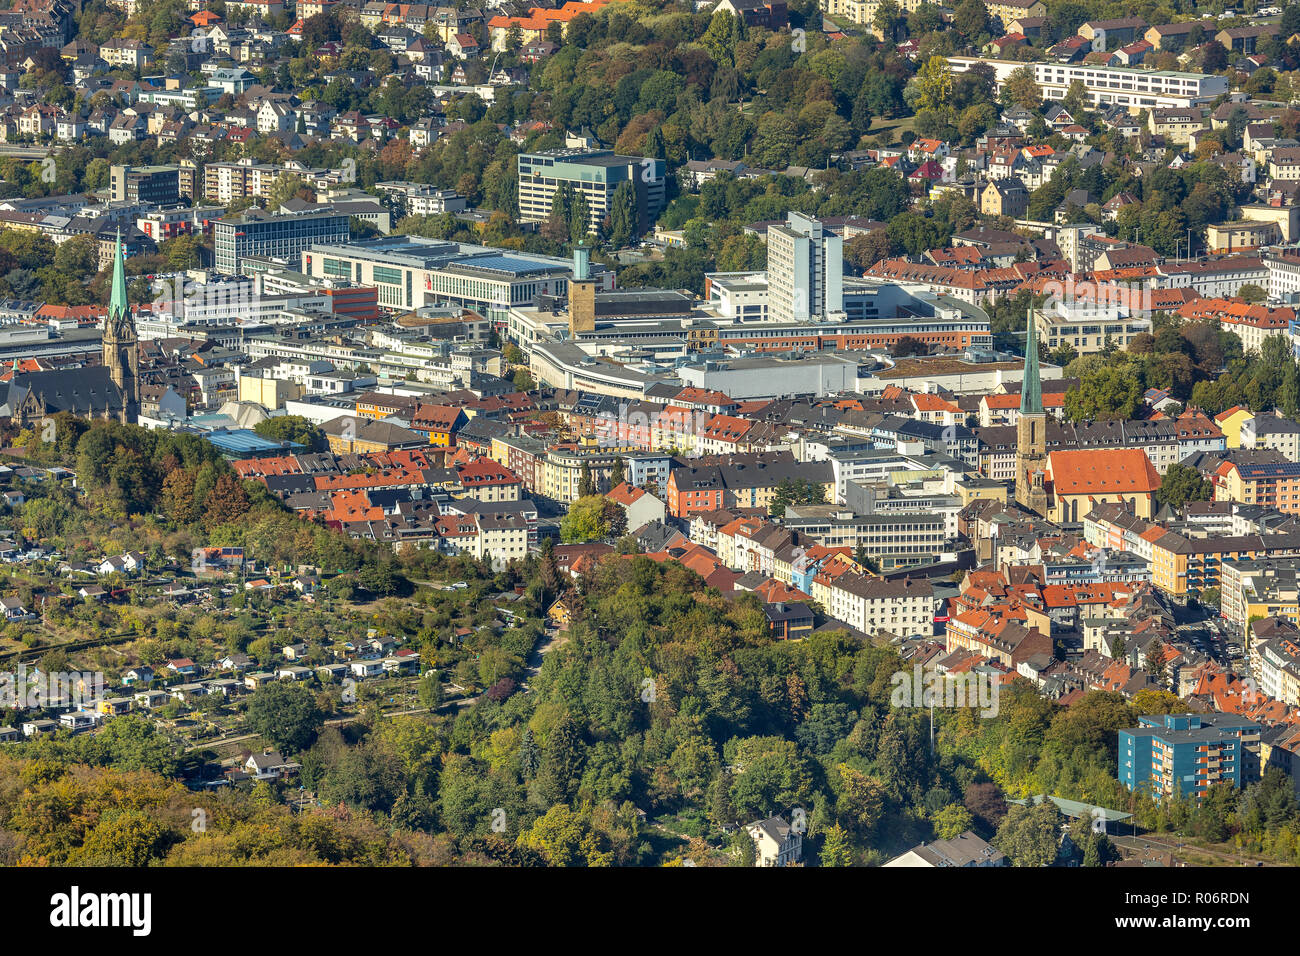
[
  {"x": 1252, "y": 588},
  {"x": 1275, "y": 659},
  {"x": 1186, "y": 754},
  {"x": 1276, "y": 485},
  {"x": 873, "y": 604}
]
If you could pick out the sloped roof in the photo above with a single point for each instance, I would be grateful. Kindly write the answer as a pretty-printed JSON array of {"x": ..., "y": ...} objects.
[{"x": 1102, "y": 472}]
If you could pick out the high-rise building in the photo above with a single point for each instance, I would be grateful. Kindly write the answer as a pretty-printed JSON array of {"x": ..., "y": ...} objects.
[
  {"x": 595, "y": 175},
  {"x": 256, "y": 232},
  {"x": 805, "y": 270},
  {"x": 1031, "y": 432},
  {"x": 121, "y": 355}
]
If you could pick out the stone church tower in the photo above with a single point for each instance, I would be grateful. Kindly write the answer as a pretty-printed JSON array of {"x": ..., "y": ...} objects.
[
  {"x": 121, "y": 344},
  {"x": 1031, "y": 432}
]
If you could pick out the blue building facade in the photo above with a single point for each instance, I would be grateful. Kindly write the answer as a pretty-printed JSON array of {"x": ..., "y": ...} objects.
[{"x": 1186, "y": 754}]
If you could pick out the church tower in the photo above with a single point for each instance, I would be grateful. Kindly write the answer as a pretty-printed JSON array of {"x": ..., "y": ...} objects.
[
  {"x": 1031, "y": 432},
  {"x": 121, "y": 345}
]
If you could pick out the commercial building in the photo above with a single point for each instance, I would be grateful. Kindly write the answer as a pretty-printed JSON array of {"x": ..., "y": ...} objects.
[
  {"x": 415, "y": 273},
  {"x": 774, "y": 376},
  {"x": 561, "y": 365},
  {"x": 890, "y": 312},
  {"x": 892, "y": 540}
]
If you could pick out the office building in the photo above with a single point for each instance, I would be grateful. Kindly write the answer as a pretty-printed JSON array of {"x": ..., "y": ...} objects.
[
  {"x": 805, "y": 270},
  {"x": 1109, "y": 85},
  {"x": 256, "y": 232},
  {"x": 596, "y": 174},
  {"x": 159, "y": 185}
]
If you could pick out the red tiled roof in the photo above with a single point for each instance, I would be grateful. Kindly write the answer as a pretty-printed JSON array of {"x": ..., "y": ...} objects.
[{"x": 1102, "y": 472}]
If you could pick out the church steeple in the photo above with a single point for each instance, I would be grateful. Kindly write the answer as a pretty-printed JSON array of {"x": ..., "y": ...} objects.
[
  {"x": 1031, "y": 432},
  {"x": 1031, "y": 389},
  {"x": 121, "y": 354},
  {"x": 118, "y": 305}
]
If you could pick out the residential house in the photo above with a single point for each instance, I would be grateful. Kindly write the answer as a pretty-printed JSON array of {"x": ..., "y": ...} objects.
[{"x": 776, "y": 842}]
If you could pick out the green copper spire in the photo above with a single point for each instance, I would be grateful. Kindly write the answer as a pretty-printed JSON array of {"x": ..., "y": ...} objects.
[
  {"x": 117, "y": 303},
  {"x": 1031, "y": 390}
]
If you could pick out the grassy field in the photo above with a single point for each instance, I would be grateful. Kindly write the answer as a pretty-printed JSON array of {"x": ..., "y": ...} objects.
[{"x": 891, "y": 129}]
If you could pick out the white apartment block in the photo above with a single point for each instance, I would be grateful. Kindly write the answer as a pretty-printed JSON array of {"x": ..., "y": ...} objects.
[
  {"x": 1277, "y": 667},
  {"x": 1283, "y": 275},
  {"x": 873, "y": 604},
  {"x": 1274, "y": 432},
  {"x": 1216, "y": 278}
]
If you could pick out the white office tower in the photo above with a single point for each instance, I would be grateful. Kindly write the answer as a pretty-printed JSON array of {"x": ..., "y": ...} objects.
[{"x": 805, "y": 270}]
